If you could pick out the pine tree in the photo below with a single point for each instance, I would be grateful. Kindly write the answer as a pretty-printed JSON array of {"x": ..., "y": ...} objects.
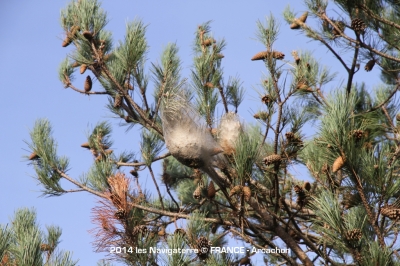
[
  {"x": 22, "y": 242},
  {"x": 347, "y": 216}
]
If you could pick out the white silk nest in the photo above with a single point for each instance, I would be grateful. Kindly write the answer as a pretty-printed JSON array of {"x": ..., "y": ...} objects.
[
  {"x": 229, "y": 131},
  {"x": 186, "y": 135}
]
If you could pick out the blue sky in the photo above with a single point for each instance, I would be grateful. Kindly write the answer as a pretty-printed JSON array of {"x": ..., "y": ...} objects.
[{"x": 30, "y": 54}]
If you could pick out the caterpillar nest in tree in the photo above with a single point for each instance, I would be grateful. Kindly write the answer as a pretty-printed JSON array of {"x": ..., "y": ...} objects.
[
  {"x": 186, "y": 135},
  {"x": 228, "y": 132}
]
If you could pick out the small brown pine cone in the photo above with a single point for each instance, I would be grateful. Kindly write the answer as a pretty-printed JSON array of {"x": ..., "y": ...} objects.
[
  {"x": 88, "y": 84},
  {"x": 236, "y": 190},
  {"x": 88, "y": 35},
  {"x": 179, "y": 231},
  {"x": 86, "y": 145},
  {"x": 307, "y": 186},
  {"x": 303, "y": 86},
  {"x": 264, "y": 55},
  {"x": 203, "y": 246},
  {"x": 67, "y": 41},
  {"x": 211, "y": 190},
  {"x": 247, "y": 193},
  {"x": 134, "y": 173},
  {"x": 83, "y": 68},
  {"x": 354, "y": 235},
  {"x": 209, "y": 85},
  {"x": 289, "y": 136},
  {"x": 197, "y": 193},
  {"x": 161, "y": 232},
  {"x": 302, "y": 18},
  {"x": 117, "y": 101},
  {"x": 33, "y": 156},
  {"x": 338, "y": 164},
  {"x": 45, "y": 247},
  {"x": 341, "y": 26},
  {"x": 358, "y": 25},
  {"x": 266, "y": 99},
  {"x": 261, "y": 116},
  {"x": 370, "y": 65},
  {"x": 75, "y": 64},
  {"x": 391, "y": 212},
  {"x": 358, "y": 134},
  {"x": 271, "y": 159},
  {"x": 208, "y": 42},
  {"x": 120, "y": 214}
]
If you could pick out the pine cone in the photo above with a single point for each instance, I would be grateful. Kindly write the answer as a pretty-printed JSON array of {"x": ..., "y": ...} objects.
[
  {"x": 236, "y": 190},
  {"x": 341, "y": 26},
  {"x": 289, "y": 136},
  {"x": 261, "y": 115},
  {"x": 307, "y": 186},
  {"x": 86, "y": 145},
  {"x": 264, "y": 55},
  {"x": 203, "y": 246},
  {"x": 391, "y": 212},
  {"x": 358, "y": 134},
  {"x": 353, "y": 235},
  {"x": 370, "y": 65},
  {"x": 179, "y": 231},
  {"x": 219, "y": 56},
  {"x": 120, "y": 214},
  {"x": 358, "y": 25},
  {"x": 134, "y": 173},
  {"x": 88, "y": 84},
  {"x": 274, "y": 158},
  {"x": 338, "y": 164},
  {"x": 67, "y": 41},
  {"x": 303, "y": 86},
  {"x": 88, "y": 35},
  {"x": 197, "y": 193},
  {"x": 75, "y": 64},
  {"x": 302, "y": 18},
  {"x": 161, "y": 232},
  {"x": 211, "y": 190},
  {"x": 208, "y": 42},
  {"x": 209, "y": 85},
  {"x": 117, "y": 101},
  {"x": 247, "y": 193},
  {"x": 45, "y": 247},
  {"x": 33, "y": 156},
  {"x": 266, "y": 99},
  {"x": 301, "y": 196},
  {"x": 83, "y": 68}
]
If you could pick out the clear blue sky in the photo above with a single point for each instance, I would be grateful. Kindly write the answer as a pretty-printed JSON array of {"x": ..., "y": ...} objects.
[{"x": 31, "y": 51}]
